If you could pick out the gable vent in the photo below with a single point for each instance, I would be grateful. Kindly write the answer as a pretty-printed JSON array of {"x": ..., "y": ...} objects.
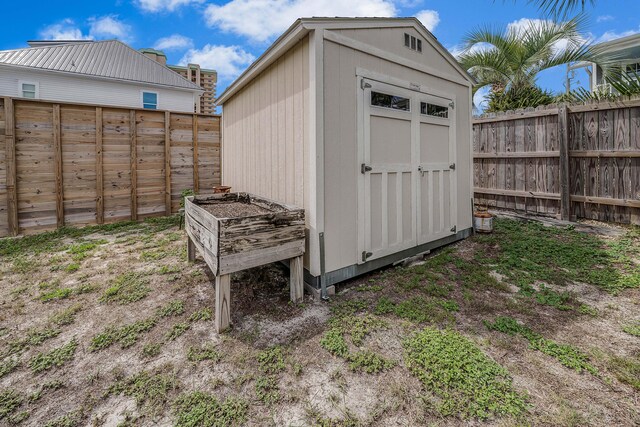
[{"x": 412, "y": 42}]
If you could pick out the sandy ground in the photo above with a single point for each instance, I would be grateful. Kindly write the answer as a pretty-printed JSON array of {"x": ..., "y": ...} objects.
[{"x": 315, "y": 388}]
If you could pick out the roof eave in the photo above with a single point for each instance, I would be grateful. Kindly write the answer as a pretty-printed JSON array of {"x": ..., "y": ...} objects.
[
  {"x": 112, "y": 79},
  {"x": 290, "y": 37},
  {"x": 301, "y": 27}
]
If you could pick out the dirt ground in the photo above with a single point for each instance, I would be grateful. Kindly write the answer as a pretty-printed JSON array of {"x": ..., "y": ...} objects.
[{"x": 112, "y": 326}]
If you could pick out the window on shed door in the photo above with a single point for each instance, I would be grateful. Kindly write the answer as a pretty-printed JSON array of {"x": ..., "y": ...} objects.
[
  {"x": 150, "y": 100},
  {"x": 29, "y": 90}
]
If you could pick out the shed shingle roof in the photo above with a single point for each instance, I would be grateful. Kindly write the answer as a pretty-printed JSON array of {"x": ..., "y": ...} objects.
[{"x": 110, "y": 59}]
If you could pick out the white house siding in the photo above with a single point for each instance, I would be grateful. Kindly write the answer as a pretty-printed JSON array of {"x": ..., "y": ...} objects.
[
  {"x": 265, "y": 134},
  {"x": 79, "y": 89},
  {"x": 340, "y": 131}
]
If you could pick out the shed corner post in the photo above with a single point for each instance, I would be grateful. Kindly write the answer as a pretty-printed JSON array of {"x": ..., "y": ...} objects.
[
  {"x": 296, "y": 279},
  {"x": 563, "y": 141}
]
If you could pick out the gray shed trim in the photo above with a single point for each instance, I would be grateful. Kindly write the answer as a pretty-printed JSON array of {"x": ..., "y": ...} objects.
[
  {"x": 301, "y": 27},
  {"x": 109, "y": 59}
]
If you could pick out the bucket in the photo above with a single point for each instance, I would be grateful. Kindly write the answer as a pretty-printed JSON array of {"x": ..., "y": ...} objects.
[
  {"x": 482, "y": 222},
  {"x": 221, "y": 189}
]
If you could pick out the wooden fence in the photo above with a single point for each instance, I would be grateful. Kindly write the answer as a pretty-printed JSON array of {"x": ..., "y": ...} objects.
[
  {"x": 66, "y": 164},
  {"x": 569, "y": 161}
]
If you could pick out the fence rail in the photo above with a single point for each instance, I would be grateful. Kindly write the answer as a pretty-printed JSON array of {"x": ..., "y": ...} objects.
[
  {"x": 64, "y": 164},
  {"x": 569, "y": 161}
]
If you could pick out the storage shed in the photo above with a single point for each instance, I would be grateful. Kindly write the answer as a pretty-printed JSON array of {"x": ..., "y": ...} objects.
[{"x": 364, "y": 122}]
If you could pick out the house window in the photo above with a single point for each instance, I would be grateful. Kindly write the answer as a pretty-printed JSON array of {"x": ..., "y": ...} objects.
[
  {"x": 412, "y": 42},
  {"x": 379, "y": 99},
  {"x": 150, "y": 100},
  {"x": 29, "y": 90},
  {"x": 434, "y": 110}
]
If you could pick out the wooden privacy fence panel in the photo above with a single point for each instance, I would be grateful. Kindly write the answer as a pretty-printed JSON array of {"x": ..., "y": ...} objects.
[
  {"x": 80, "y": 164},
  {"x": 570, "y": 161}
]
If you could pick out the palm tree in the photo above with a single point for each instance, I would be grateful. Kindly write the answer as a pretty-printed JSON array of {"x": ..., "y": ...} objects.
[
  {"x": 560, "y": 8},
  {"x": 510, "y": 59}
]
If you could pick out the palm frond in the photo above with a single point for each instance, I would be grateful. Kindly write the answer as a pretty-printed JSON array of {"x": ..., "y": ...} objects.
[{"x": 560, "y": 8}]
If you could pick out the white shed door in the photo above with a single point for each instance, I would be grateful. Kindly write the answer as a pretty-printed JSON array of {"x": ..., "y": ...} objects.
[{"x": 406, "y": 182}]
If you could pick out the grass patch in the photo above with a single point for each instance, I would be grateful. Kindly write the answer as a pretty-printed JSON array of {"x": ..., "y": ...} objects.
[
  {"x": 53, "y": 241},
  {"x": 466, "y": 382},
  {"x": 177, "y": 330},
  {"x": 567, "y": 355},
  {"x": 632, "y": 329},
  {"x": 66, "y": 316},
  {"x": 173, "y": 308},
  {"x": 199, "y": 409},
  {"x": 54, "y": 358},
  {"x": 419, "y": 309},
  {"x": 126, "y": 335},
  {"x": 56, "y": 294},
  {"x": 526, "y": 252},
  {"x": 8, "y": 365},
  {"x": 369, "y": 362},
  {"x": 152, "y": 349},
  {"x": 72, "y": 419},
  {"x": 334, "y": 342},
  {"x": 626, "y": 370},
  {"x": 267, "y": 389},
  {"x": 10, "y": 400},
  {"x": 271, "y": 360},
  {"x": 206, "y": 352},
  {"x": 82, "y": 250},
  {"x": 150, "y": 390},
  {"x": 127, "y": 288},
  {"x": 204, "y": 314}
]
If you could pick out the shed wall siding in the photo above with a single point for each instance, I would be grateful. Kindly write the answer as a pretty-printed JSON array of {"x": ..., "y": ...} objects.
[
  {"x": 78, "y": 89},
  {"x": 340, "y": 135},
  {"x": 266, "y": 131}
]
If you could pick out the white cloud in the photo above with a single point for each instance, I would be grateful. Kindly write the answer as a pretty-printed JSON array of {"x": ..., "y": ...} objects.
[
  {"x": 459, "y": 49},
  {"x": 604, "y": 18},
  {"x": 99, "y": 28},
  {"x": 109, "y": 27},
  {"x": 261, "y": 20},
  {"x": 173, "y": 42},
  {"x": 429, "y": 18},
  {"x": 164, "y": 5},
  {"x": 64, "y": 30},
  {"x": 612, "y": 35},
  {"x": 520, "y": 26},
  {"x": 228, "y": 61}
]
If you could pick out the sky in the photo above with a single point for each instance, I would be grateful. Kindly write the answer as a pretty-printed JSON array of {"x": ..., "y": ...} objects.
[{"x": 228, "y": 35}]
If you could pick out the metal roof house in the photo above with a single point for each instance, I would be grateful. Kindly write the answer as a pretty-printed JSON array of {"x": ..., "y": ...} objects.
[
  {"x": 364, "y": 122},
  {"x": 94, "y": 72}
]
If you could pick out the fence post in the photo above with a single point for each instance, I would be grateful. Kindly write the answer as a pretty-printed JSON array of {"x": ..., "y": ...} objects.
[
  {"x": 167, "y": 163},
  {"x": 99, "y": 169},
  {"x": 563, "y": 140},
  {"x": 196, "y": 174},
  {"x": 11, "y": 171},
  {"x": 134, "y": 165},
  {"x": 57, "y": 158}
]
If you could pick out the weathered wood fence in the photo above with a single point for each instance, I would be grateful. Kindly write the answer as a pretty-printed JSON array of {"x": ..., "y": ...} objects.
[
  {"x": 84, "y": 164},
  {"x": 569, "y": 161}
]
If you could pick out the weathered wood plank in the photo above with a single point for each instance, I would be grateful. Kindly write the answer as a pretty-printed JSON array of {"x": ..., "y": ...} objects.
[
  {"x": 167, "y": 163},
  {"x": 223, "y": 302},
  {"x": 57, "y": 160},
  {"x": 563, "y": 141},
  {"x": 11, "y": 169},
  {"x": 196, "y": 176},
  {"x": 296, "y": 279},
  {"x": 99, "y": 169},
  {"x": 134, "y": 164}
]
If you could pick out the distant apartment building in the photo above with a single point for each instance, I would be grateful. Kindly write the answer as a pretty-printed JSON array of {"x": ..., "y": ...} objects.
[{"x": 202, "y": 77}]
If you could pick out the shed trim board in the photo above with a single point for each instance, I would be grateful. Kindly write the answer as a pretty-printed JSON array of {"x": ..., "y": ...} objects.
[{"x": 439, "y": 81}]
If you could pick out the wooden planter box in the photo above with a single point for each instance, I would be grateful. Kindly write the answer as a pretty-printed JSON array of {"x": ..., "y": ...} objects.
[{"x": 236, "y": 231}]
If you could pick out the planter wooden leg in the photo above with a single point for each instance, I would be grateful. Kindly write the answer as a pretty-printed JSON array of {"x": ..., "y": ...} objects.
[
  {"x": 223, "y": 301},
  {"x": 296, "y": 279},
  {"x": 191, "y": 250}
]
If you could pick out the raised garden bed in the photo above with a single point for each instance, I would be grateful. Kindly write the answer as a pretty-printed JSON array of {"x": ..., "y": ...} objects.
[{"x": 236, "y": 231}]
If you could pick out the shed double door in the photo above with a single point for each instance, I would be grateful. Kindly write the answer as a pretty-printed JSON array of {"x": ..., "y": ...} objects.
[{"x": 407, "y": 174}]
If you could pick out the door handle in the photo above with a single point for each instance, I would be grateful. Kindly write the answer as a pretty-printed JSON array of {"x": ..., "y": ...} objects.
[{"x": 421, "y": 170}]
